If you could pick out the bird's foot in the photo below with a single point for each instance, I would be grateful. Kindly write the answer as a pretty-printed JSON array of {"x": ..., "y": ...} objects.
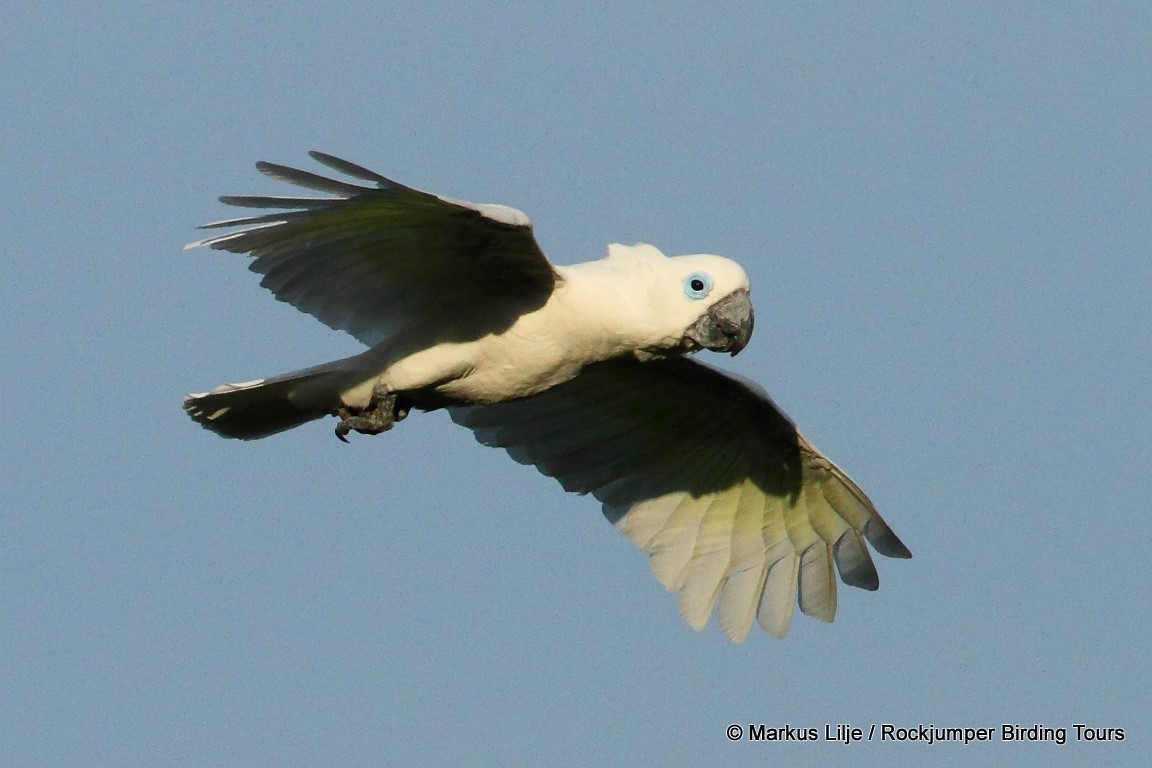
[{"x": 383, "y": 411}]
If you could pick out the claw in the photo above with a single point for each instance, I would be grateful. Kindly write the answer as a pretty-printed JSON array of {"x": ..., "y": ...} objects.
[{"x": 379, "y": 416}]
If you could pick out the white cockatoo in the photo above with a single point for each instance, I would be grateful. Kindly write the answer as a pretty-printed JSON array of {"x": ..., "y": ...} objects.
[{"x": 581, "y": 370}]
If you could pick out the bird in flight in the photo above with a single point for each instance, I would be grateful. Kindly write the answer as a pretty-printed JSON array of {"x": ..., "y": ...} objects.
[{"x": 584, "y": 371}]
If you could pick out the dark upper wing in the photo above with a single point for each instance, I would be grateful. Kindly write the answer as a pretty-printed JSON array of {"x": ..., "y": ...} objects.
[
  {"x": 375, "y": 259},
  {"x": 704, "y": 473}
]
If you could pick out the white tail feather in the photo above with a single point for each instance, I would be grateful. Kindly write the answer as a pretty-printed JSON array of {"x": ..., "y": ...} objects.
[{"x": 256, "y": 409}]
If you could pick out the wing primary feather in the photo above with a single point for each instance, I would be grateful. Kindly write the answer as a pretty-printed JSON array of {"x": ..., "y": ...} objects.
[
  {"x": 886, "y": 542},
  {"x": 817, "y": 582},
  {"x": 854, "y": 563},
  {"x": 713, "y": 553},
  {"x": 352, "y": 169},
  {"x": 218, "y": 241},
  {"x": 705, "y": 570},
  {"x": 269, "y": 201},
  {"x": 852, "y": 504},
  {"x": 682, "y": 537},
  {"x": 280, "y": 217},
  {"x": 309, "y": 180},
  {"x": 641, "y": 521},
  {"x": 774, "y": 610},
  {"x": 740, "y": 589},
  {"x": 861, "y": 515},
  {"x": 670, "y": 550}
]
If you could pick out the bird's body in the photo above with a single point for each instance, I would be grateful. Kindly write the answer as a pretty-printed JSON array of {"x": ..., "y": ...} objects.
[{"x": 580, "y": 370}]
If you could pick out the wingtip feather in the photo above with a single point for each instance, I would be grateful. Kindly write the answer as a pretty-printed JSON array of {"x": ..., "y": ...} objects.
[
  {"x": 351, "y": 169},
  {"x": 884, "y": 540}
]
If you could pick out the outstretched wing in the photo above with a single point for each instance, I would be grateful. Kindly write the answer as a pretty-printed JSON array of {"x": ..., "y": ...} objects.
[
  {"x": 735, "y": 509},
  {"x": 377, "y": 259}
]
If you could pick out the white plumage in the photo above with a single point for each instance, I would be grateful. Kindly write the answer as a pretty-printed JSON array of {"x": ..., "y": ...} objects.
[{"x": 580, "y": 370}]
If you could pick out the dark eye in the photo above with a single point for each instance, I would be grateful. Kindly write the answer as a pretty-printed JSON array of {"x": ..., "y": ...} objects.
[{"x": 697, "y": 285}]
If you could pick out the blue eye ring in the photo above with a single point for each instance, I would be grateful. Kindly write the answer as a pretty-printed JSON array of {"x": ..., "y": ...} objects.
[{"x": 697, "y": 285}]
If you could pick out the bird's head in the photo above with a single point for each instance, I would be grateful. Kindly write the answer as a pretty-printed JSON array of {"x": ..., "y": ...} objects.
[
  {"x": 672, "y": 304},
  {"x": 713, "y": 302}
]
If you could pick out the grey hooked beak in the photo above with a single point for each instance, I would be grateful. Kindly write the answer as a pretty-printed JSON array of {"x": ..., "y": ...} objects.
[{"x": 726, "y": 327}]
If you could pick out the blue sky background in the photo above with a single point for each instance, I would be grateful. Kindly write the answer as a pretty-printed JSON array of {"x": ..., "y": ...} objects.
[{"x": 945, "y": 209}]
